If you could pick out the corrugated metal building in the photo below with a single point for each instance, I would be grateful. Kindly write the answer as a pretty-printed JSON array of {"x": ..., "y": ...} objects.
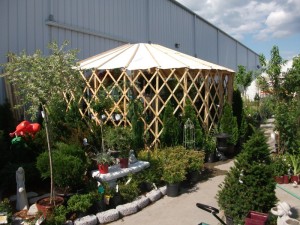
[{"x": 94, "y": 26}]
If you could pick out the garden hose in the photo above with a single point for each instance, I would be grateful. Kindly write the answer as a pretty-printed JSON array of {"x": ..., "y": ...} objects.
[{"x": 289, "y": 192}]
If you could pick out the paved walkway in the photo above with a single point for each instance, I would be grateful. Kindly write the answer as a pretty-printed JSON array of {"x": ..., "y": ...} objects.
[{"x": 183, "y": 210}]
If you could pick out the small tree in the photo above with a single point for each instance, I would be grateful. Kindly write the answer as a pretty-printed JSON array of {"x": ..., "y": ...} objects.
[
  {"x": 135, "y": 115},
  {"x": 228, "y": 124},
  {"x": 243, "y": 78},
  {"x": 41, "y": 80},
  {"x": 249, "y": 185},
  {"x": 169, "y": 136}
]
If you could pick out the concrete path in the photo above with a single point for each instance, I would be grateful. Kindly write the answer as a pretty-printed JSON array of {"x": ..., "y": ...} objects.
[{"x": 182, "y": 209}]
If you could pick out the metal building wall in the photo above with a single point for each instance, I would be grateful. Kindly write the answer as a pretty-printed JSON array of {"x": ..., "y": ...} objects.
[{"x": 94, "y": 26}]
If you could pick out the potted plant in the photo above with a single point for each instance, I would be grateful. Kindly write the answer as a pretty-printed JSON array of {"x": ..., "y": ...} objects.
[
  {"x": 195, "y": 164},
  {"x": 228, "y": 128},
  {"x": 294, "y": 161},
  {"x": 174, "y": 163},
  {"x": 41, "y": 81},
  {"x": 119, "y": 139},
  {"x": 210, "y": 145},
  {"x": 104, "y": 160},
  {"x": 241, "y": 191},
  {"x": 279, "y": 167}
]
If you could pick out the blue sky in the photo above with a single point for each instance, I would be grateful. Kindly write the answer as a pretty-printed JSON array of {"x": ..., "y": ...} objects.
[{"x": 259, "y": 24}]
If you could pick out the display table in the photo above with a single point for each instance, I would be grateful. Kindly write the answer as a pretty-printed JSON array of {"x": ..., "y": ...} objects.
[{"x": 115, "y": 172}]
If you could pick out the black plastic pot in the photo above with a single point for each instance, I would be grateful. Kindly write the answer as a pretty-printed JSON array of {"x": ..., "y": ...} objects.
[
  {"x": 222, "y": 145},
  {"x": 173, "y": 190}
]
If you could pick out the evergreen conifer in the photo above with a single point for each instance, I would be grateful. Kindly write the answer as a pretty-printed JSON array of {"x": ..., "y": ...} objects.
[{"x": 249, "y": 185}]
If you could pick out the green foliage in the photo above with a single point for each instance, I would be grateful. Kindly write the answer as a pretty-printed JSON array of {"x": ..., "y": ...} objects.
[
  {"x": 174, "y": 163},
  {"x": 152, "y": 174},
  {"x": 104, "y": 158},
  {"x": 252, "y": 178},
  {"x": 57, "y": 217},
  {"x": 43, "y": 79},
  {"x": 273, "y": 69},
  {"x": 135, "y": 114},
  {"x": 287, "y": 124},
  {"x": 69, "y": 165},
  {"x": 195, "y": 160},
  {"x": 267, "y": 107},
  {"x": 243, "y": 78},
  {"x": 80, "y": 202},
  {"x": 118, "y": 139},
  {"x": 170, "y": 133},
  {"x": 129, "y": 191},
  {"x": 228, "y": 124},
  {"x": 102, "y": 104},
  {"x": 294, "y": 161},
  {"x": 210, "y": 143},
  {"x": 279, "y": 165},
  {"x": 189, "y": 113},
  {"x": 66, "y": 123},
  {"x": 5, "y": 206},
  {"x": 291, "y": 83}
]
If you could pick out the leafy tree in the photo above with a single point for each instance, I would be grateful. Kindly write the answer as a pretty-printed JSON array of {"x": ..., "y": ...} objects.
[
  {"x": 170, "y": 133},
  {"x": 273, "y": 69},
  {"x": 291, "y": 83},
  {"x": 249, "y": 185},
  {"x": 243, "y": 78},
  {"x": 43, "y": 80}
]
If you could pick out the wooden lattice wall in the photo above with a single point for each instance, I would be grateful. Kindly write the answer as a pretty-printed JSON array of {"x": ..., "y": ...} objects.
[{"x": 206, "y": 89}]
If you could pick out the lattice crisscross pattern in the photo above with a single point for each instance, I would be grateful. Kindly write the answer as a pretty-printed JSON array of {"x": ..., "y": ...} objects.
[{"x": 205, "y": 89}]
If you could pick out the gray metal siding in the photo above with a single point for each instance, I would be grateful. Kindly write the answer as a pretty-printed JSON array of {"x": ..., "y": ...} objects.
[
  {"x": 227, "y": 50},
  {"x": 242, "y": 55},
  {"x": 94, "y": 26},
  {"x": 206, "y": 41}
]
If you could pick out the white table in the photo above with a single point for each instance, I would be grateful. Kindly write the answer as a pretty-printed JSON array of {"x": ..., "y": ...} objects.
[{"x": 115, "y": 172}]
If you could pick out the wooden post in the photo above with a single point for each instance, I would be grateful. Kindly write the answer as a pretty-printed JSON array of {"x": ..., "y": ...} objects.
[
  {"x": 156, "y": 107},
  {"x": 206, "y": 98}
]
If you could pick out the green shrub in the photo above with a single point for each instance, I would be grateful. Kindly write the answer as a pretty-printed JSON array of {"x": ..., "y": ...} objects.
[
  {"x": 174, "y": 164},
  {"x": 170, "y": 132},
  {"x": 129, "y": 191},
  {"x": 69, "y": 165},
  {"x": 80, "y": 203},
  {"x": 249, "y": 184},
  {"x": 5, "y": 206}
]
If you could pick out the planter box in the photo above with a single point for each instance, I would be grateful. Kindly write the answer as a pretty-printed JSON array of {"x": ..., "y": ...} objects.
[{"x": 256, "y": 218}]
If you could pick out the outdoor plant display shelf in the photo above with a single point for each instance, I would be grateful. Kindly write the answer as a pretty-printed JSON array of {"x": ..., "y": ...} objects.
[{"x": 115, "y": 172}]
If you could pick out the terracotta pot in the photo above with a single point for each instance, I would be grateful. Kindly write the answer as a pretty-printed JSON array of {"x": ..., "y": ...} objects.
[
  {"x": 295, "y": 178},
  {"x": 43, "y": 205},
  {"x": 279, "y": 179},
  {"x": 256, "y": 218},
  {"x": 103, "y": 168},
  {"x": 124, "y": 163},
  {"x": 286, "y": 179}
]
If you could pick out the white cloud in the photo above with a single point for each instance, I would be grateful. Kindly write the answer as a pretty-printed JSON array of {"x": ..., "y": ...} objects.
[{"x": 263, "y": 19}]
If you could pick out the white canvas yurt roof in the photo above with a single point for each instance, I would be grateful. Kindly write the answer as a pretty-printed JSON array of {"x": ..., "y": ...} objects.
[{"x": 145, "y": 56}]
